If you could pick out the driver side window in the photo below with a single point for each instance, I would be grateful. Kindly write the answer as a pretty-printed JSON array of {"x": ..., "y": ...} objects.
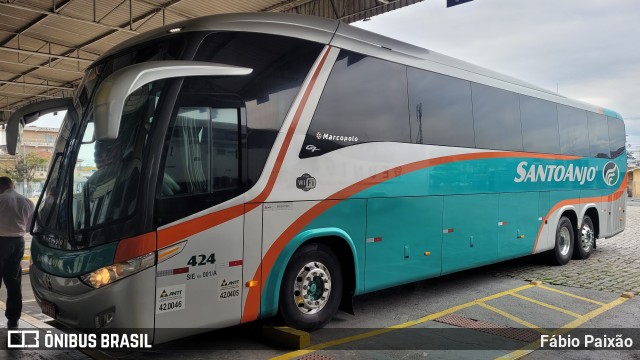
[{"x": 203, "y": 156}]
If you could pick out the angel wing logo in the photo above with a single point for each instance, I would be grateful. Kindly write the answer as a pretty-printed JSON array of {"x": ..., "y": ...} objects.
[{"x": 611, "y": 173}]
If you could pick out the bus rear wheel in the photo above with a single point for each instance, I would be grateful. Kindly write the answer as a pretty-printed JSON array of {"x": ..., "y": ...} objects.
[
  {"x": 311, "y": 289},
  {"x": 584, "y": 241},
  {"x": 561, "y": 253}
]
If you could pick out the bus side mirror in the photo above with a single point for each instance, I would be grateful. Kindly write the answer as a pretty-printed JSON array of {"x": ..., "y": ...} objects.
[
  {"x": 114, "y": 90},
  {"x": 30, "y": 113}
]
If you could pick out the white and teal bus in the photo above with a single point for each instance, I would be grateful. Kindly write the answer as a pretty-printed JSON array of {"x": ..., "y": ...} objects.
[{"x": 255, "y": 164}]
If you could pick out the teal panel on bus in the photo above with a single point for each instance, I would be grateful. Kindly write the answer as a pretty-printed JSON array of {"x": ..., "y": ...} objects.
[
  {"x": 72, "y": 263},
  {"x": 470, "y": 231},
  {"x": 495, "y": 176},
  {"x": 611, "y": 113},
  {"x": 404, "y": 240},
  {"x": 518, "y": 224}
]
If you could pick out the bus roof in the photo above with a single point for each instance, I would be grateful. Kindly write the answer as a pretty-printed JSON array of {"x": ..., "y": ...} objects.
[{"x": 338, "y": 34}]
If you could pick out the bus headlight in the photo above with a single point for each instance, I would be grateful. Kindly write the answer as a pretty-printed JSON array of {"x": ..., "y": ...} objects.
[{"x": 108, "y": 274}]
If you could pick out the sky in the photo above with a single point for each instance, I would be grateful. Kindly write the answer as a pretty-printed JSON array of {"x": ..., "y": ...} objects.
[{"x": 584, "y": 49}]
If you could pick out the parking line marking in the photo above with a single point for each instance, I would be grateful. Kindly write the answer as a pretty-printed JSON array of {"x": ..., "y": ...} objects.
[
  {"x": 516, "y": 319},
  {"x": 407, "y": 324},
  {"x": 572, "y": 295},
  {"x": 529, "y": 348},
  {"x": 556, "y": 308}
]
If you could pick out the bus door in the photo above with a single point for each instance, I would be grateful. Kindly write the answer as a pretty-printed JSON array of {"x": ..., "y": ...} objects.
[
  {"x": 404, "y": 240},
  {"x": 202, "y": 285},
  {"x": 519, "y": 221},
  {"x": 470, "y": 231}
]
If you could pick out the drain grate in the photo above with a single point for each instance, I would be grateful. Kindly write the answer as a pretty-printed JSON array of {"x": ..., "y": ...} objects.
[
  {"x": 315, "y": 357},
  {"x": 525, "y": 335}
]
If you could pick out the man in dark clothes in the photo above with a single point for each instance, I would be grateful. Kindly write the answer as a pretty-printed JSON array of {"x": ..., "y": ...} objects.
[{"x": 15, "y": 218}]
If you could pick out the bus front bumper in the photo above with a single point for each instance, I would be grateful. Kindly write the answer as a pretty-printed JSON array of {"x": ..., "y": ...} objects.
[{"x": 125, "y": 304}]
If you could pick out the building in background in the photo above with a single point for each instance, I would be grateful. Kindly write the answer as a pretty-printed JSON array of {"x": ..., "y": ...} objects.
[
  {"x": 633, "y": 182},
  {"x": 39, "y": 141}
]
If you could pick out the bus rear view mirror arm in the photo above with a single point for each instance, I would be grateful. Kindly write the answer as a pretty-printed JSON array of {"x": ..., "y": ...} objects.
[
  {"x": 30, "y": 113},
  {"x": 112, "y": 93}
]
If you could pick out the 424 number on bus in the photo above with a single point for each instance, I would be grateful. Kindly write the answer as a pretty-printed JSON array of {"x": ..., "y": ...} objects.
[{"x": 198, "y": 260}]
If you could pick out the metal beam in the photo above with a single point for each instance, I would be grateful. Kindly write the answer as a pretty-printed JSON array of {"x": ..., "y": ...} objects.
[
  {"x": 35, "y": 85},
  {"x": 21, "y": 95},
  {"x": 74, "y": 48},
  {"x": 286, "y": 5},
  {"x": 40, "y": 67},
  {"x": 51, "y": 56},
  {"x": 58, "y": 7},
  {"x": 35, "y": 21},
  {"x": 51, "y": 13},
  {"x": 166, "y": 7},
  {"x": 59, "y": 82}
]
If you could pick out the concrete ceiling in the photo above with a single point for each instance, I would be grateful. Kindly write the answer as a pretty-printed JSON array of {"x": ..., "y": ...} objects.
[{"x": 45, "y": 45}]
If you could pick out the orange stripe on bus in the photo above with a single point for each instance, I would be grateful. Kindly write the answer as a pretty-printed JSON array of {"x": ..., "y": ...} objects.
[
  {"x": 609, "y": 198},
  {"x": 135, "y": 246},
  {"x": 253, "y": 298},
  {"x": 174, "y": 234}
]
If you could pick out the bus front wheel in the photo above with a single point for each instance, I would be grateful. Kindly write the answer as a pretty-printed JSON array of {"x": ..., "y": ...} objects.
[
  {"x": 311, "y": 288},
  {"x": 561, "y": 253},
  {"x": 585, "y": 239}
]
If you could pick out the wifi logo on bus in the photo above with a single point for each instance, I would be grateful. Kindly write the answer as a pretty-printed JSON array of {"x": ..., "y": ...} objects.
[{"x": 611, "y": 173}]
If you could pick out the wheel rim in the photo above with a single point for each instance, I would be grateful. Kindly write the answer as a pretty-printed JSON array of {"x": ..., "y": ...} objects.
[
  {"x": 586, "y": 237},
  {"x": 565, "y": 240},
  {"x": 312, "y": 288}
]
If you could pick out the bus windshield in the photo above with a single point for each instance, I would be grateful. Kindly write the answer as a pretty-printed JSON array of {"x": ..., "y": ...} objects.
[
  {"x": 99, "y": 185},
  {"x": 106, "y": 173}
]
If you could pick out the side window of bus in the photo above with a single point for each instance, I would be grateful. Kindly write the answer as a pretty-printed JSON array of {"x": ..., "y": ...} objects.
[
  {"x": 598, "y": 136},
  {"x": 203, "y": 157},
  {"x": 616, "y": 136},
  {"x": 539, "y": 125},
  {"x": 364, "y": 100},
  {"x": 496, "y": 116},
  {"x": 440, "y": 108},
  {"x": 574, "y": 133}
]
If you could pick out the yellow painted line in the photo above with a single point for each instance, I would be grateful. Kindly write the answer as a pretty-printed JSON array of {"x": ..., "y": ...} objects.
[
  {"x": 590, "y": 315},
  {"x": 549, "y": 306},
  {"x": 515, "y": 318},
  {"x": 572, "y": 295},
  {"x": 529, "y": 348},
  {"x": 407, "y": 324}
]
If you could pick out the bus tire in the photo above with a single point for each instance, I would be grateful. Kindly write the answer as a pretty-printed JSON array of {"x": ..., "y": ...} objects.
[
  {"x": 311, "y": 288},
  {"x": 563, "y": 249},
  {"x": 585, "y": 239}
]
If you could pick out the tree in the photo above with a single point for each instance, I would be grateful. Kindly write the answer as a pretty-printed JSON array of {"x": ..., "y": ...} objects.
[{"x": 25, "y": 167}]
